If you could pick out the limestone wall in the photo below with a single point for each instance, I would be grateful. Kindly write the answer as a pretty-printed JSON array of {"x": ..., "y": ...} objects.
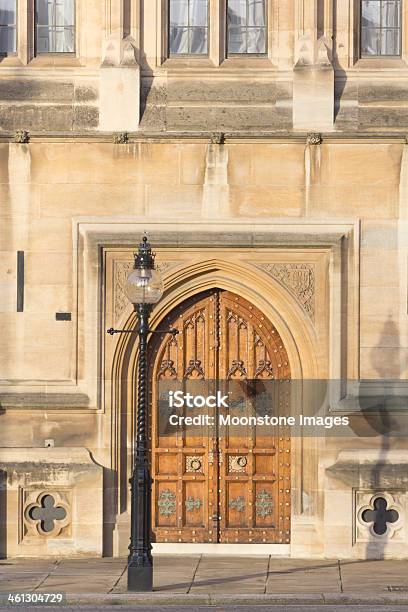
[
  {"x": 218, "y": 214},
  {"x": 46, "y": 186},
  {"x": 122, "y": 78}
]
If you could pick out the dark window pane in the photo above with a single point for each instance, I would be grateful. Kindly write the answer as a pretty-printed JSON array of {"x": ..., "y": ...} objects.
[
  {"x": 256, "y": 40},
  {"x": 198, "y": 40},
  {"x": 55, "y": 26},
  {"x": 7, "y": 40},
  {"x": 198, "y": 13},
  {"x": 237, "y": 12},
  {"x": 44, "y": 12},
  {"x": 256, "y": 13},
  {"x": 179, "y": 13},
  {"x": 188, "y": 32},
  {"x": 56, "y": 12},
  {"x": 370, "y": 41},
  {"x": 390, "y": 14},
  {"x": 55, "y": 40},
  {"x": 247, "y": 26},
  {"x": 237, "y": 40},
  {"x": 390, "y": 42},
  {"x": 8, "y": 12},
  {"x": 43, "y": 39},
  {"x": 371, "y": 13},
  {"x": 381, "y": 27},
  {"x": 64, "y": 13},
  {"x": 8, "y": 31},
  {"x": 178, "y": 40}
]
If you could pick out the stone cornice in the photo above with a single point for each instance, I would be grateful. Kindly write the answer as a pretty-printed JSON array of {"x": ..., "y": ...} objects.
[{"x": 205, "y": 137}]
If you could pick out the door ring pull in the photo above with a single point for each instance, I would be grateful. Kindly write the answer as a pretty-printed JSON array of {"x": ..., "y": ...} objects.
[{"x": 196, "y": 465}]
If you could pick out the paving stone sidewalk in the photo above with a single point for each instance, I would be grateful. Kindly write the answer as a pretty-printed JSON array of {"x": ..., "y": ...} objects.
[{"x": 194, "y": 576}]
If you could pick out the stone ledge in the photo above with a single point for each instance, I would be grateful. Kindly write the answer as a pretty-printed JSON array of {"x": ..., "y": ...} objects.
[
  {"x": 53, "y": 455},
  {"x": 359, "y": 468},
  {"x": 280, "y": 136},
  {"x": 43, "y": 400}
]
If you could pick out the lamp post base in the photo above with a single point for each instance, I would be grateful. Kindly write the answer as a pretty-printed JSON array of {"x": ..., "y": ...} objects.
[{"x": 140, "y": 578}]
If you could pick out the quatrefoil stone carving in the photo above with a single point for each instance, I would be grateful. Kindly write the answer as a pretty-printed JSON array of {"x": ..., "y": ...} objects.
[
  {"x": 381, "y": 516},
  {"x": 46, "y": 514}
]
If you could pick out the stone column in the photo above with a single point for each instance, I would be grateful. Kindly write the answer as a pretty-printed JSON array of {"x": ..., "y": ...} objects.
[
  {"x": 119, "y": 74},
  {"x": 313, "y": 77}
]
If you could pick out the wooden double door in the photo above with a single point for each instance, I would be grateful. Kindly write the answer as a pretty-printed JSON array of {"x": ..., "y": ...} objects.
[{"x": 234, "y": 485}]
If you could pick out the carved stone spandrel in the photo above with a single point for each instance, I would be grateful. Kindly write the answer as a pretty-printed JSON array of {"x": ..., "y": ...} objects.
[{"x": 298, "y": 278}]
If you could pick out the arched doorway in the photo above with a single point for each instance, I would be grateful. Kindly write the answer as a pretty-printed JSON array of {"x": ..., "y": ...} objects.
[{"x": 234, "y": 488}]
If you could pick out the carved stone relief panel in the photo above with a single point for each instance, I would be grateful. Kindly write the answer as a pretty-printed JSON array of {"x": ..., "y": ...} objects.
[{"x": 298, "y": 278}]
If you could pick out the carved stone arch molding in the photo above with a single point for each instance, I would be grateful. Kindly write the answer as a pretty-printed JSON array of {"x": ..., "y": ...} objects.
[
  {"x": 181, "y": 283},
  {"x": 278, "y": 305}
]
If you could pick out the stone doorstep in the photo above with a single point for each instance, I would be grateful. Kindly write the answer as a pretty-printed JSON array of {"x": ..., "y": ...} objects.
[{"x": 161, "y": 599}]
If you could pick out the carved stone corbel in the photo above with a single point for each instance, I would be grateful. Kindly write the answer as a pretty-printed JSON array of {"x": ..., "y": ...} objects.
[
  {"x": 314, "y": 138},
  {"x": 22, "y": 137}
]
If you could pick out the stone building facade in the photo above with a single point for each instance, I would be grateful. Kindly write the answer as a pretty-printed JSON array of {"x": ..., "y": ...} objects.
[{"x": 264, "y": 151}]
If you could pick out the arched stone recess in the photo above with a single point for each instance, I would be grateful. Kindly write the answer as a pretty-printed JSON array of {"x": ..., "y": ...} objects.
[
  {"x": 276, "y": 303},
  {"x": 248, "y": 259}
]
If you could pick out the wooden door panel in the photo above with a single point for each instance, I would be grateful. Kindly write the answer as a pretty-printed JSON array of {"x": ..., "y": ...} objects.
[
  {"x": 252, "y": 350},
  {"x": 183, "y": 495},
  {"x": 226, "y": 484}
]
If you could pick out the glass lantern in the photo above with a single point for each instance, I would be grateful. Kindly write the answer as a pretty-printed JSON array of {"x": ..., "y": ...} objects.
[{"x": 144, "y": 284}]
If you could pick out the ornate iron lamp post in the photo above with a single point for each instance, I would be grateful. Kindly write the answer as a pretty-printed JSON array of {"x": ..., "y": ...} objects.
[{"x": 144, "y": 288}]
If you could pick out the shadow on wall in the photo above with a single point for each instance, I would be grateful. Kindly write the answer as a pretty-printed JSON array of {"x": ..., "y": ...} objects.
[
  {"x": 3, "y": 514},
  {"x": 110, "y": 484},
  {"x": 384, "y": 425}
]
